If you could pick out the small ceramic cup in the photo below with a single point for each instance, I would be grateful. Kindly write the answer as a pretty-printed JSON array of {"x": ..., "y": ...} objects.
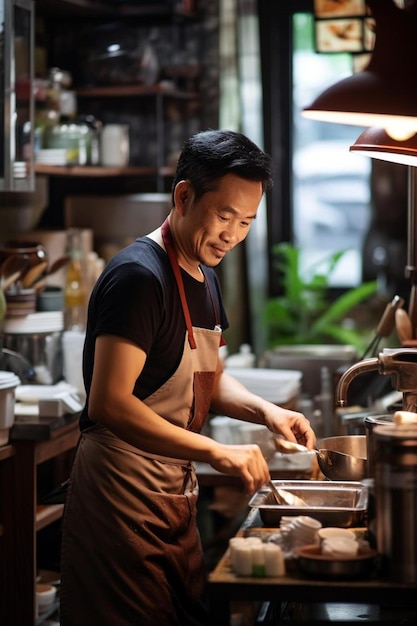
[{"x": 45, "y": 597}]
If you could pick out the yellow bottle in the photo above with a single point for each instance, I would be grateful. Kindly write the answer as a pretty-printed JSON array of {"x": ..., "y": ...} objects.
[{"x": 75, "y": 292}]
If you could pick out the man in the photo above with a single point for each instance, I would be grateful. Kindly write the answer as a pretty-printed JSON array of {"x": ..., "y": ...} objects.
[{"x": 131, "y": 551}]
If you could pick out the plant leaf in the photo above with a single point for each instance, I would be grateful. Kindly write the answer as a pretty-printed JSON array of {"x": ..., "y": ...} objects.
[{"x": 344, "y": 304}]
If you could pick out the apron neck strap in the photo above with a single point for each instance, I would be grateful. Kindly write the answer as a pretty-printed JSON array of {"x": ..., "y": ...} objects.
[{"x": 169, "y": 247}]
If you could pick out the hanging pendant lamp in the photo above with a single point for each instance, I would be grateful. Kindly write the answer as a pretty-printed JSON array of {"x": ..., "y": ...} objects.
[
  {"x": 376, "y": 143},
  {"x": 384, "y": 94}
]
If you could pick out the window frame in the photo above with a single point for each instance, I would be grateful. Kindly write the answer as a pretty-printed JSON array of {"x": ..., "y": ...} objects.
[{"x": 276, "y": 43}]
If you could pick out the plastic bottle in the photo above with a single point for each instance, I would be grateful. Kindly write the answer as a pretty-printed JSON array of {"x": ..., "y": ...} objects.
[
  {"x": 75, "y": 292},
  {"x": 244, "y": 358}
]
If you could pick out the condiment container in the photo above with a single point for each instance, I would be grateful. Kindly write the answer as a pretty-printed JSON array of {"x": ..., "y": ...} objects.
[
  {"x": 244, "y": 358},
  {"x": 73, "y": 138},
  {"x": 115, "y": 148}
]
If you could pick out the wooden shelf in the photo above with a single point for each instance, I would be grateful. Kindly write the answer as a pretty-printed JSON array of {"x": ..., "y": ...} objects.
[
  {"x": 98, "y": 171},
  {"x": 46, "y": 514},
  {"x": 6, "y": 452},
  {"x": 93, "y": 171},
  {"x": 32, "y": 444},
  {"x": 72, "y": 8},
  {"x": 87, "y": 9},
  {"x": 128, "y": 91}
]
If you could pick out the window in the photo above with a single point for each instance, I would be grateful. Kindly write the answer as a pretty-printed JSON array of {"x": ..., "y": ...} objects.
[
  {"x": 321, "y": 195},
  {"x": 330, "y": 186}
]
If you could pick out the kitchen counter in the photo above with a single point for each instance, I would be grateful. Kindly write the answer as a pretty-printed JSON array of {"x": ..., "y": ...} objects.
[{"x": 225, "y": 588}]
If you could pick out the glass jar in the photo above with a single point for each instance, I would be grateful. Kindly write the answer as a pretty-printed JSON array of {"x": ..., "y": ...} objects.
[{"x": 74, "y": 138}]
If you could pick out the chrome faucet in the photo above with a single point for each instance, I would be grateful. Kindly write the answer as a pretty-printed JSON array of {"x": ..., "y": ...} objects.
[{"x": 400, "y": 363}]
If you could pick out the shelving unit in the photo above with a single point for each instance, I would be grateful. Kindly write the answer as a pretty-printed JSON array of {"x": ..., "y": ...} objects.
[
  {"x": 159, "y": 170},
  {"x": 21, "y": 516},
  {"x": 97, "y": 171},
  {"x": 7, "y": 453},
  {"x": 150, "y": 170},
  {"x": 160, "y": 93},
  {"x": 87, "y": 8}
]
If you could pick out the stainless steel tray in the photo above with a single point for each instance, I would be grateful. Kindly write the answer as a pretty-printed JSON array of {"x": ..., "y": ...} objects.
[{"x": 333, "y": 503}]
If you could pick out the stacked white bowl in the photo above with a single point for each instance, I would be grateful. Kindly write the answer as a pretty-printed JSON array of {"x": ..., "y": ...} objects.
[
  {"x": 8, "y": 383},
  {"x": 299, "y": 531}
]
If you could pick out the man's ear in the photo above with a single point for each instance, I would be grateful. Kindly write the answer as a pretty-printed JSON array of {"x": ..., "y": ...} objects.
[{"x": 182, "y": 196}]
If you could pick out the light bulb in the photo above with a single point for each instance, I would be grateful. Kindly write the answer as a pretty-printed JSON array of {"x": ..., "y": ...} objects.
[{"x": 401, "y": 131}]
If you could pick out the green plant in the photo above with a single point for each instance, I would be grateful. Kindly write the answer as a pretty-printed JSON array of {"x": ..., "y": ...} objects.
[{"x": 305, "y": 312}]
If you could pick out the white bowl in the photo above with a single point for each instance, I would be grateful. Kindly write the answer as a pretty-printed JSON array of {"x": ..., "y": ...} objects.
[
  {"x": 331, "y": 531},
  {"x": 45, "y": 597}
]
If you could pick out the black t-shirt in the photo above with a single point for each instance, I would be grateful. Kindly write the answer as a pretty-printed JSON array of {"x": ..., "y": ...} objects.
[{"x": 136, "y": 297}]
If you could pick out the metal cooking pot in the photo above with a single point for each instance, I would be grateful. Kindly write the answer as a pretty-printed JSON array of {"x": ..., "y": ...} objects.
[
  {"x": 339, "y": 458},
  {"x": 343, "y": 457}
]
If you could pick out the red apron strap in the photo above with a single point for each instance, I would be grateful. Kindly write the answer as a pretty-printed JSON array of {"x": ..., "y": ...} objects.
[{"x": 167, "y": 239}]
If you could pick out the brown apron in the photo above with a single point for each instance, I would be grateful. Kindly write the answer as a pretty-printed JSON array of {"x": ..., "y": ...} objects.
[{"x": 131, "y": 551}]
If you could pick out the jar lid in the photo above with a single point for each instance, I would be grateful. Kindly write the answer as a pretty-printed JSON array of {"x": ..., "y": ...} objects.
[
  {"x": 379, "y": 420},
  {"x": 397, "y": 433},
  {"x": 8, "y": 380}
]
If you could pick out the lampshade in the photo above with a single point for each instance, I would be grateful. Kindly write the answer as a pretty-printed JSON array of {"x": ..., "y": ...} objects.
[
  {"x": 384, "y": 94},
  {"x": 376, "y": 143}
]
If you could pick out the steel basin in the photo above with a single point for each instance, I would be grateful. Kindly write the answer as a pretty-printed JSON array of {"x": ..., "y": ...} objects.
[{"x": 343, "y": 457}]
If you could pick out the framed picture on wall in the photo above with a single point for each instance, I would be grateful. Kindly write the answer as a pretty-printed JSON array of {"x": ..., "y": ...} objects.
[
  {"x": 339, "y": 8},
  {"x": 344, "y": 35}
]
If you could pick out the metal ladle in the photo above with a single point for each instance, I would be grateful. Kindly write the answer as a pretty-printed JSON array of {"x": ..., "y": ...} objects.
[{"x": 284, "y": 497}]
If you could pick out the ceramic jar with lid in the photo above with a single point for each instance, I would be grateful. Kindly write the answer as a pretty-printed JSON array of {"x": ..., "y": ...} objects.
[{"x": 33, "y": 252}]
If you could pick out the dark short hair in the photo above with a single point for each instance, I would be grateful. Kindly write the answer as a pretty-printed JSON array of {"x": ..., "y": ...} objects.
[{"x": 210, "y": 155}]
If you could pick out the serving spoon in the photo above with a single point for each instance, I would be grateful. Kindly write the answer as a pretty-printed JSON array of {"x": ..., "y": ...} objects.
[{"x": 284, "y": 497}]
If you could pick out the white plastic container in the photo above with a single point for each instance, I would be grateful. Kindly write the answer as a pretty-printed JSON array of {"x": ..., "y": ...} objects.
[
  {"x": 72, "y": 347},
  {"x": 8, "y": 384},
  {"x": 244, "y": 358},
  {"x": 115, "y": 149},
  {"x": 276, "y": 386}
]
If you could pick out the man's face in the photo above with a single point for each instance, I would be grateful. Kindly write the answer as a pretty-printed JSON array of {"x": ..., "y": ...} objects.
[{"x": 218, "y": 221}]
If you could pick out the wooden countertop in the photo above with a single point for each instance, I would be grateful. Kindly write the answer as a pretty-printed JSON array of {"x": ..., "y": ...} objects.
[
  {"x": 43, "y": 429},
  {"x": 225, "y": 587}
]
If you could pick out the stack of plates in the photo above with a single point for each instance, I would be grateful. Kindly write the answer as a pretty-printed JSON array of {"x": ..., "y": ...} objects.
[
  {"x": 52, "y": 156},
  {"x": 20, "y": 169},
  {"x": 35, "y": 323},
  {"x": 276, "y": 386}
]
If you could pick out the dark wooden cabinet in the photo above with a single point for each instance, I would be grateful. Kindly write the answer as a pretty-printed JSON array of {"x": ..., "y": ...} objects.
[{"x": 21, "y": 516}]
